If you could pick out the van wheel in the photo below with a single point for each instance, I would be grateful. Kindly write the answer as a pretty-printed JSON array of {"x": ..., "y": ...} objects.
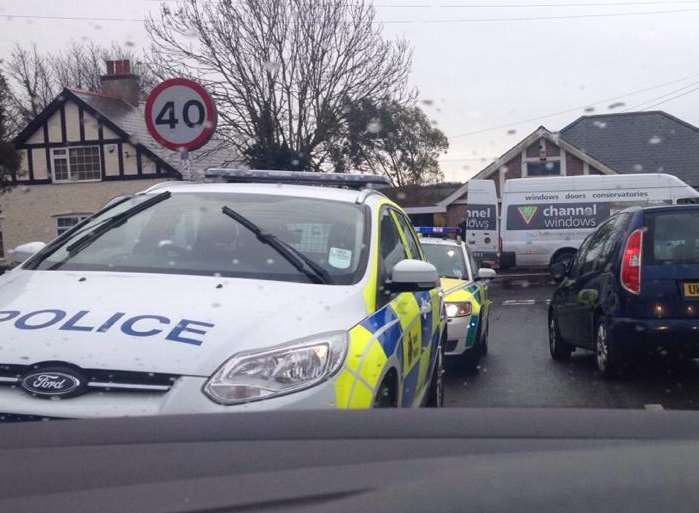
[
  {"x": 607, "y": 356},
  {"x": 484, "y": 342},
  {"x": 564, "y": 256},
  {"x": 560, "y": 350}
]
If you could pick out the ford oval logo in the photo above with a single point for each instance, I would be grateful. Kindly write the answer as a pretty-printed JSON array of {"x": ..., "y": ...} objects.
[{"x": 50, "y": 383}]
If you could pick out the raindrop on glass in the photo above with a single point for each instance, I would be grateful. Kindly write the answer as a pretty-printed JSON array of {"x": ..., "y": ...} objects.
[
  {"x": 374, "y": 126},
  {"x": 271, "y": 66}
]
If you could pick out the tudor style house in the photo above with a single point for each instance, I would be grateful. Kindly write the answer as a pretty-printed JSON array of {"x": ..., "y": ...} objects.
[{"x": 85, "y": 148}]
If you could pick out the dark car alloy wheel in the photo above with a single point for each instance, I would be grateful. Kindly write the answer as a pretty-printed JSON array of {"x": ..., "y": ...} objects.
[
  {"x": 559, "y": 350},
  {"x": 606, "y": 356}
]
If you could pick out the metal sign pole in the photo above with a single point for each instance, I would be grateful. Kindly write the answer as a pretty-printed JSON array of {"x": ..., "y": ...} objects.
[{"x": 186, "y": 166}]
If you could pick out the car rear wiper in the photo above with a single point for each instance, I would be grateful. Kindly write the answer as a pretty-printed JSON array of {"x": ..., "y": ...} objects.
[
  {"x": 292, "y": 255},
  {"x": 95, "y": 232}
]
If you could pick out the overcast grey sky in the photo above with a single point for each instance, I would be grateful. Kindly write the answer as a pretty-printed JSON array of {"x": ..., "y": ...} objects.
[{"x": 493, "y": 70}]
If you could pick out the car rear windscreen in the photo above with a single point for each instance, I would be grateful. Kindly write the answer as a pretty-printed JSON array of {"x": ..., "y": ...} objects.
[{"x": 672, "y": 237}]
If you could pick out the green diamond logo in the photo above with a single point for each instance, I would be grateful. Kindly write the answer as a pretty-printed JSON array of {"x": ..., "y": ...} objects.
[{"x": 527, "y": 213}]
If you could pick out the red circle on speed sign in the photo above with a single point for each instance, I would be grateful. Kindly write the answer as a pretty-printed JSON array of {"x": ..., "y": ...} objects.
[{"x": 180, "y": 114}]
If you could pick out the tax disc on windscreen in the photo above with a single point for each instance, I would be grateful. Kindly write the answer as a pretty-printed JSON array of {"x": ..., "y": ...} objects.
[{"x": 180, "y": 114}]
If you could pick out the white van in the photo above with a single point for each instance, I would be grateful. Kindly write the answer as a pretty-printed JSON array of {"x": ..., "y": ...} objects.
[
  {"x": 479, "y": 228},
  {"x": 544, "y": 220}
]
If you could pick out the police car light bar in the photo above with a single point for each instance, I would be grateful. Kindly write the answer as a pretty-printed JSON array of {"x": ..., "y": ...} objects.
[
  {"x": 436, "y": 230},
  {"x": 348, "y": 180}
]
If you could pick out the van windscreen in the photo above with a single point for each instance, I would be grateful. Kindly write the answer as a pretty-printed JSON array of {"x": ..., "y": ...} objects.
[{"x": 672, "y": 237}]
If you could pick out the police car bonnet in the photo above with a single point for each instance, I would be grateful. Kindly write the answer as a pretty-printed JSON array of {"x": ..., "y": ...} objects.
[{"x": 156, "y": 323}]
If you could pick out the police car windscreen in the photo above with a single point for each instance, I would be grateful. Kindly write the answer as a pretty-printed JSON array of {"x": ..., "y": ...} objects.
[
  {"x": 189, "y": 234},
  {"x": 448, "y": 260},
  {"x": 672, "y": 238}
]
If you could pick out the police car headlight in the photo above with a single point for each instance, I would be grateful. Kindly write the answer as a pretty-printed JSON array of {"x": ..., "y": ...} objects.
[
  {"x": 258, "y": 375},
  {"x": 458, "y": 309}
]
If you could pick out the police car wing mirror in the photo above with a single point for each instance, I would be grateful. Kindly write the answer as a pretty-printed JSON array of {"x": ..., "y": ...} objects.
[
  {"x": 485, "y": 274},
  {"x": 24, "y": 251},
  {"x": 413, "y": 276}
]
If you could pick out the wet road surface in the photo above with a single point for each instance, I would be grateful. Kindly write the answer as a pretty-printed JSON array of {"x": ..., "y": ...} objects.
[{"x": 518, "y": 371}]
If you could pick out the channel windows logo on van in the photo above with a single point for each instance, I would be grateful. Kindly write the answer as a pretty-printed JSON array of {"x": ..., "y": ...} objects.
[
  {"x": 556, "y": 216},
  {"x": 480, "y": 217},
  {"x": 527, "y": 213}
]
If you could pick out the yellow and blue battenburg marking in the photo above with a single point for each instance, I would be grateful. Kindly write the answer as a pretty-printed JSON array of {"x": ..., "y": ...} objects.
[
  {"x": 407, "y": 329},
  {"x": 460, "y": 290}
]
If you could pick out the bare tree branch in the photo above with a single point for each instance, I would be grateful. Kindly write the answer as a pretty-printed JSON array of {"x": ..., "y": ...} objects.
[
  {"x": 35, "y": 79},
  {"x": 281, "y": 71}
]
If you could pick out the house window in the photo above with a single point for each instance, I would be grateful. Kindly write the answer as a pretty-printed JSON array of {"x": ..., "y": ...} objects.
[
  {"x": 76, "y": 164},
  {"x": 547, "y": 168},
  {"x": 65, "y": 223}
]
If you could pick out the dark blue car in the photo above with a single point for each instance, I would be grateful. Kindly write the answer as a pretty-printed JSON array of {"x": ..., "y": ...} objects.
[{"x": 632, "y": 288}]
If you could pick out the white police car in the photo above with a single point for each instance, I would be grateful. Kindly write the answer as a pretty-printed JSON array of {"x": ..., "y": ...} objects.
[{"x": 218, "y": 296}]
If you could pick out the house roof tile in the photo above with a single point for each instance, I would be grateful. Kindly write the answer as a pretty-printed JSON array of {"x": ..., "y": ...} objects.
[{"x": 639, "y": 142}]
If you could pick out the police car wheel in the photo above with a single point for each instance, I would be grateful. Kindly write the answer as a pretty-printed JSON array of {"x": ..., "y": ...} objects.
[
  {"x": 560, "y": 351},
  {"x": 484, "y": 341},
  {"x": 385, "y": 396},
  {"x": 435, "y": 398},
  {"x": 471, "y": 359}
]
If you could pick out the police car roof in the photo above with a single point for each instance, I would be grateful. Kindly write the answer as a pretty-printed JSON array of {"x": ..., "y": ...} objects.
[
  {"x": 441, "y": 241},
  {"x": 302, "y": 191}
]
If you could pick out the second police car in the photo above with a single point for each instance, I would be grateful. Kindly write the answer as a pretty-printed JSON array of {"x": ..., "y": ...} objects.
[
  {"x": 465, "y": 293},
  {"x": 215, "y": 297}
]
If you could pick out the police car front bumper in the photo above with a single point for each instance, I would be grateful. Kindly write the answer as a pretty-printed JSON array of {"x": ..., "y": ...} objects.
[
  {"x": 457, "y": 332},
  {"x": 184, "y": 397}
]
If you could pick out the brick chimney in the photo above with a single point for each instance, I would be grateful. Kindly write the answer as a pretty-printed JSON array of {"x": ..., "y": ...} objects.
[{"x": 119, "y": 82}]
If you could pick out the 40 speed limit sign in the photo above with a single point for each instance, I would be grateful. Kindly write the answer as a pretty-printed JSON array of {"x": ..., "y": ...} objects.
[{"x": 180, "y": 115}]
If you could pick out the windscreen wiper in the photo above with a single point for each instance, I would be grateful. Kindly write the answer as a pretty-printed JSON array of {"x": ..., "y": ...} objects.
[
  {"x": 292, "y": 255},
  {"x": 112, "y": 222}
]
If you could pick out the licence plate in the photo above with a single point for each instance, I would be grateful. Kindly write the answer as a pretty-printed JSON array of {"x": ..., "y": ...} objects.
[{"x": 691, "y": 289}]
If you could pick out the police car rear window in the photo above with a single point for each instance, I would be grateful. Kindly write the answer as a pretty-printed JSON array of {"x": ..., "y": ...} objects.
[{"x": 189, "y": 234}]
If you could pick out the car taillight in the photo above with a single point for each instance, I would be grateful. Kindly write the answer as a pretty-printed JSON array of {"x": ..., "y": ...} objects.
[{"x": 631, "y": 262}]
